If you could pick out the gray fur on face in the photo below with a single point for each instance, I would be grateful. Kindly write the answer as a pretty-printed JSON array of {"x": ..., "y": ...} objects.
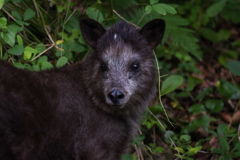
[{"x": 119, "y": 75}]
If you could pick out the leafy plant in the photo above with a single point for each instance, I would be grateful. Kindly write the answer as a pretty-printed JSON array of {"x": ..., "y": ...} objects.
[{"x": 199, "y": 53}]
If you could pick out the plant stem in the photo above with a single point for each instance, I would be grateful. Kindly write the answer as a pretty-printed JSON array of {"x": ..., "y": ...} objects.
[{"x": 141, "y": 18}]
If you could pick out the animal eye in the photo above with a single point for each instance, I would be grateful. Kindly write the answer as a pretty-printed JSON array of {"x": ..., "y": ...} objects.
[
  {"x": 135, "y": 66},
  {"x": 103, "y": 66}
]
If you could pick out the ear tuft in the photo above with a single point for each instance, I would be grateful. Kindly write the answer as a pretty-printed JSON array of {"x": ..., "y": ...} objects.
[
  {"x": 153, "y": 32},
  {"x": 91, "y": 31}
]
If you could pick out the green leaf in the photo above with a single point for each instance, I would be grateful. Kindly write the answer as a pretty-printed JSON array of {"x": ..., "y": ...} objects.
[
  {"x": 214, "y": 105},
  {"x": 14, "y": 28},
  {"x": 46, "y": 65},
  {"x": 224, "y": 144},
  {"x": 185, "y": 138},
  {"x": 236, "y": 154},
  {"x": 95, "y": 14},
  {"x": 21, "y": 23},
  {"x": 148, "y": 9},
  {"x": 194, "y": 150},
  {"x": 138, "y": 140},
  {"x": 223, "y": 59},
  {"x": 168, "y": 8},
  {"x": 153, "y": 1},
  {"x": 231, "y": 11},
  {"x": 42, "y": 59},
  {"x": 40, "y": 47},
  {"x": 209, "y": 34},
  {"x": 163, "y": 9},
  {"x": 16, "y": 50},
  {"x": 221, "y": 129},
  {"x": 60, "y": 8},
  {"x": 205, "y": 92},
  {"x": 29, "y": 52},
  {"x": 197, "y": 108},
  {"x": 234, "y": 67},
  {"x": 28, "y": 67},
  {"x": 19, "y": 39},
  {"x": 19, "y": 65},
  {"x": 16, "y": 15},
  {"x": 61, "y": 62},
  {"x": 3, "y": 22},
  {"x": 158, "y": 150},
  {"x": 166, "y": 138},
  {"x": 9, "y": 37},
  {"x": 192, "y": 82},
  {"x": 36, "y": 67},
  {"x": 180, "y": 149},
  {"x": 217, "y": 150},
  {"x": 216, "y": 8},
  {"x": 159, "y": 9},
  {"x": 223, "y": 35},
  {"x": 75, "y": 33},
  {"x": 189, "y": 128},
  {"x": 128, "y": 157},
  {"x": 1, "y": 3},
  {"x": 28, "y": 14},
  {"x": 148, "y": 122},
  {"x": 203, "y": 122},
  {"x": 236, "y": 147},
  {"x": 227, "y": 156},
  {"x": 228, "y": 90},
  {"x": 198, "y": 54},
  {"x": 171, "y": 83}
]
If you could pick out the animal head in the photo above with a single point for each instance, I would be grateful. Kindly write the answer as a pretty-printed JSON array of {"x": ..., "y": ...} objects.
[{"x": 121, "y": 71}]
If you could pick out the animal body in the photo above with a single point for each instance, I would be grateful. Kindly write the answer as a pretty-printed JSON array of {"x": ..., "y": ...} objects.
[{"x": 86, "y": 111}]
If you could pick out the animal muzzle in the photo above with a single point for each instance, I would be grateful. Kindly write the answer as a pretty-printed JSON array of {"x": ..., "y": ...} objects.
[{"x": 116, "y": 97}]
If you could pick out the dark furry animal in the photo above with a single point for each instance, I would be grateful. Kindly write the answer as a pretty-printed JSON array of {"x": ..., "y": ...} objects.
[{"x": 86, "y": 111}]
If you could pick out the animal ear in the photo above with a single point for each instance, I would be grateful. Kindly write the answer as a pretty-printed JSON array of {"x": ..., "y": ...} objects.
[
  {"x": 91, "y": 31},
  {"x": 153, "y": 32}
]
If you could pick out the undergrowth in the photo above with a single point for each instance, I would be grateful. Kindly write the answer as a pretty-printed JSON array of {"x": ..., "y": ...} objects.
[{"x": 198, "y": 60}]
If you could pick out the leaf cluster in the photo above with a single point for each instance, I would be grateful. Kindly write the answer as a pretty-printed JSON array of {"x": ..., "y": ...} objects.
[{"x": 199, "y": 58}]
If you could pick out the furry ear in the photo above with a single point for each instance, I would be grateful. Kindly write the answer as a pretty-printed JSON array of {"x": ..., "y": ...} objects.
[
  {"x": 153, "y": 32},
  {"x": 91, "y": 31}
]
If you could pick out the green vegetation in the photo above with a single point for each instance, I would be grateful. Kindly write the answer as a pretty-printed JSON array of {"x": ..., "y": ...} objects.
[{"x": 198, "y": 61}]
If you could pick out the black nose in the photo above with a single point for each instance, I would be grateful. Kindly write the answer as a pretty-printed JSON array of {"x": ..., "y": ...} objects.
[{"x": 115, "y": 96}]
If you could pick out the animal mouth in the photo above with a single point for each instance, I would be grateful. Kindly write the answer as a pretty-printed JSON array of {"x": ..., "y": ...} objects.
[{"x": 117, "y": 106}]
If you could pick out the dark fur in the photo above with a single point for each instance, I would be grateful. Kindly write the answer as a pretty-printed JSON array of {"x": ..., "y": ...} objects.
[{"x": 65, "y": 114}]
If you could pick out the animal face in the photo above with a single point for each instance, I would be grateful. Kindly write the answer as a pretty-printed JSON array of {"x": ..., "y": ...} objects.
[
  {"x": 123, "y": 71},
  {"x": 120, "y": 70}
]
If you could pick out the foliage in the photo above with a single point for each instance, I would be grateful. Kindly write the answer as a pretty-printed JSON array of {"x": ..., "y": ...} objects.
[{"x": 199, "y": 54}]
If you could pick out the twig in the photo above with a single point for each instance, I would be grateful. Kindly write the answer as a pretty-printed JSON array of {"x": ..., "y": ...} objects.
[
  {"x": 9, "y": 14},
  {"x": 139, "y": 152},
  {"x": 70, "y": 16},
  {"x": 141, "y": 18},
  {"x": 123, "y": 18},
  {"x": 50, "y": 37},
  {"x": 166, "y": 133},
  {"x": 119, "y": 15},
  {"x": 36, "y": 7},
  {"x": 11, "y": 58},
  {"x": 159, "y": 87},
  {"x": 43, "y": 52}
]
